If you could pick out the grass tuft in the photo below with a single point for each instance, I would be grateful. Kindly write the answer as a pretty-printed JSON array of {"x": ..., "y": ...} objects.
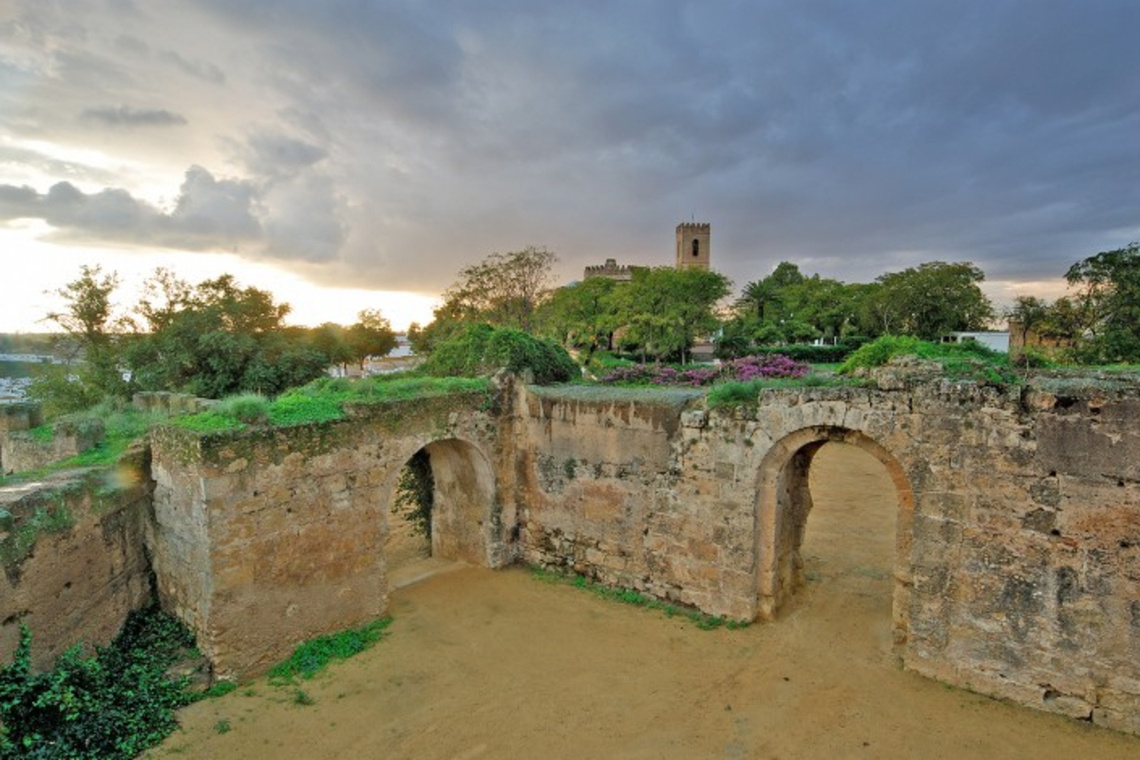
[{"x": 314, "y": 655}]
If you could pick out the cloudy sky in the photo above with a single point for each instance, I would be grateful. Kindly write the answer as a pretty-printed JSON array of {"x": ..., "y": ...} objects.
[{"x": 346, "y": 154}]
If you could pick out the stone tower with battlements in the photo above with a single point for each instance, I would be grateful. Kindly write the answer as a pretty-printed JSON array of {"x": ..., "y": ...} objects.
[{"x": 693, "y": 245}]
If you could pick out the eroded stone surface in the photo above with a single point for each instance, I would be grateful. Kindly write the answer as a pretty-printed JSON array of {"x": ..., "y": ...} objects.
[{"x": 1017, "y": 567}]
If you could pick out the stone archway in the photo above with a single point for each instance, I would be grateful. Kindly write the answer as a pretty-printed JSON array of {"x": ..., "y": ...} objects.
[
  {"x": 464, "y": 521},
  {"x": 784, "y": 505},
  {"x": 465, "y": 524}
]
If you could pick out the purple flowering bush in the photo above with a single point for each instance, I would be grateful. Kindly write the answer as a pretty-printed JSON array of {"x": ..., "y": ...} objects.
[{"x": 765, "y": 367}]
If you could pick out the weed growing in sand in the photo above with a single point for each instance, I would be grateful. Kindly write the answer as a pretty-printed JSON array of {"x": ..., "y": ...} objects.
[
  {"x": 314, "y": 655},
  {"x": 301, "y": 697},
  {"x": 223, "y": 727},
  {"x": 636, "y": 598},
  {"x": 219, "y": 689}
]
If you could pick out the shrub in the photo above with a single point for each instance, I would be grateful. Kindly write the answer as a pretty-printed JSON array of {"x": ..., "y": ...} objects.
[
  {"x": 250, "y": 408},
  {"x": 814, "y": 354},
  {"x": 968, "y": 360},
  {"x": 483, "y": 350},
  {"x": 765, "y": 367},
  {"x": 314, "y": 655},
  {"x": 113, "y": 704}
]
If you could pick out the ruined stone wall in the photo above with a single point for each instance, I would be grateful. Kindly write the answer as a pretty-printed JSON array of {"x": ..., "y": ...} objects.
[
  {"x": 266, "y": 538},
  {"x": 1018, "y": 546},
  {"x": 73, "y": 556},
  {"x": 20, "y": 451},
  {"x": 604, "y": 493}
]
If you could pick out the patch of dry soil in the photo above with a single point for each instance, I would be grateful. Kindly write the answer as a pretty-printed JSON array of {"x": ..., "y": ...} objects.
[{"x": 496, "y": 664}]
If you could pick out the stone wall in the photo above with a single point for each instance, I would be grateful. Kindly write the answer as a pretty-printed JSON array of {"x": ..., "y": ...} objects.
[
  {"x": 72, "y": 550},
  {"x": 606, "y": 494},
  {"x": 1018, "y": 544},
  {"x": 269, "y": 537},
  {"x": 1017, "y": 552}
]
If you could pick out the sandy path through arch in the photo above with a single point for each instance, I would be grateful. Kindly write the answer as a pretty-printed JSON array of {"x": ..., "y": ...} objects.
[{"x": 483, "y": 664}]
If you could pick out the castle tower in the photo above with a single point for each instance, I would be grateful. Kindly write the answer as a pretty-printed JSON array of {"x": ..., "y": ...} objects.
[{"x": 693, "y": 245}]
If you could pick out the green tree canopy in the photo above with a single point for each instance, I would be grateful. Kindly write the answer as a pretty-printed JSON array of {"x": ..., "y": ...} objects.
[
  {"x": 930, "y": 300},
  {"x": 217, "y": 338},
  {"x": 504, "y": 290},
  {"x": 665, "y": 309},
  {"x": 1108, "y": 294},
  {"x": 583, "y": 314},
  {"x": 371, "y": 335},
  {"x": 89, "y": 321}
]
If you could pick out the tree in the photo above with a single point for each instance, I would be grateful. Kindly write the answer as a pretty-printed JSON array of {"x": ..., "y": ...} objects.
[
  {"x": 762, "y": 299},
  {"x": 931, "y": 300},
  {"x": 330, "y": 339},
  {"x": 1108, "y": 294},
  {"x": 504, "y": 290},
  {"x": 583, "y": 314},
  {"x": 218, "y": 338},
  {"x": 665, "y": 309},
  {"x": 88, "y": 320},
  {"x": 372, "y": 335}
]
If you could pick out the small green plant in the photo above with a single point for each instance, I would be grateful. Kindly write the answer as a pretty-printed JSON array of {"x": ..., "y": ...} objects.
[
  {"x": 314, "y": 655},
  {"x": 23, "y": 535},
  {"x": 219, "y": 689},
  {"x": 636, "y": 598},
  {"x": 250, "y": 408},
  {"x": 223, "y": 727},
  {"x": 301, "y": 697}
]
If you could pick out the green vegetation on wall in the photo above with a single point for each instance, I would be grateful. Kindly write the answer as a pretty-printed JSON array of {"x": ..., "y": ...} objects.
[
  {"x": 968, "y": 360},
  {"x": 110, "y": 705},
  {"x": 481, "y": 350},
  {"x": 323, "y": 400},
  {"x": 415, "y": 493}
]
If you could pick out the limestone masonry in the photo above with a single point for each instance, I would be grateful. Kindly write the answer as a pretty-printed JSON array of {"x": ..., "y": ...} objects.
[{"x": 1017, "y": 565}]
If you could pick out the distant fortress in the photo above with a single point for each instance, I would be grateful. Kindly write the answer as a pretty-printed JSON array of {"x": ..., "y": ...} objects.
[{"x": 693, "y": 252}]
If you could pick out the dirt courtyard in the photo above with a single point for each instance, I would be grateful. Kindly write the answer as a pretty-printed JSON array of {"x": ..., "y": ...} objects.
[{"x": 498, "y": 664}]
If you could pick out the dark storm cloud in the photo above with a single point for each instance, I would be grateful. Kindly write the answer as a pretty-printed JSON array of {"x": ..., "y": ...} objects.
[
  {"x": 396, "y": 142},
  {"x": 128, "y": 116}
]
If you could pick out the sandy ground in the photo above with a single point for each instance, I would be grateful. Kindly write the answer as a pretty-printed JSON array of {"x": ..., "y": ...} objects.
[{"x": 497, "y": 664}]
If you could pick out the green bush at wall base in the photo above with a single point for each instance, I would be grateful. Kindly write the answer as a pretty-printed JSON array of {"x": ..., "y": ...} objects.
[{"x": 110, "y": 705}]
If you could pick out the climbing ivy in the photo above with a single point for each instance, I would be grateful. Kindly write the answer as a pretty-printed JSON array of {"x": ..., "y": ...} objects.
[
  {"x": 110, "y": 705},
  {"x": 415, "y": 491}
]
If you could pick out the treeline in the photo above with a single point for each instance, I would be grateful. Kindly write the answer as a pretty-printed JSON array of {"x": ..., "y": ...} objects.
[
  {"x": 662, "y": 311},
  {"x": 218, "y": 338},
  {"x": 213, "y": 339}
]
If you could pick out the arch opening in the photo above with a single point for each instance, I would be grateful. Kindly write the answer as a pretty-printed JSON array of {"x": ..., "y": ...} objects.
[
  {"x": 836, "y": 507},
  {"x": 441, "y": 506}
]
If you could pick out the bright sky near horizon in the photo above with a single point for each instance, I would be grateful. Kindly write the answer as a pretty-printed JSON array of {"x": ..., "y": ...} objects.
[{"x": 348, "y": 155}]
